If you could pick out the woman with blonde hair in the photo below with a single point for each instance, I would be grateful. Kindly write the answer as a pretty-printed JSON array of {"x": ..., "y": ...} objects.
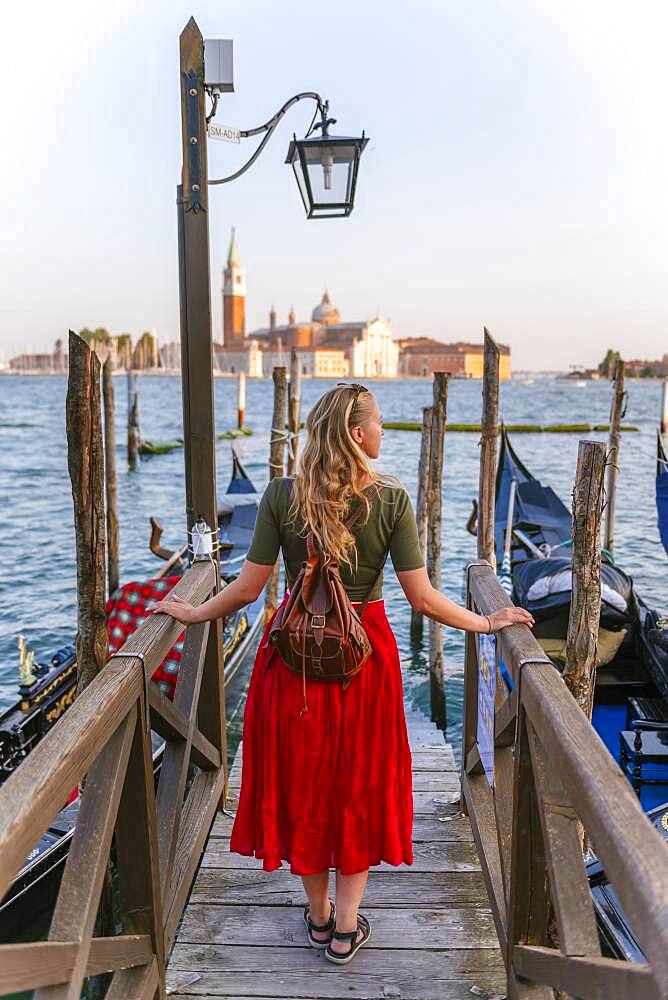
[{"x": 326, "y": 771}]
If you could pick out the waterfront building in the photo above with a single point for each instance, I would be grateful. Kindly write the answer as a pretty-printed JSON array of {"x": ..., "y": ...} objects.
[
  {"x": 335, "y": 348},
  {"x": 246, "y": 358},
  {"x": 170, "y": 355},
  {"x": 420, "y": 357}
]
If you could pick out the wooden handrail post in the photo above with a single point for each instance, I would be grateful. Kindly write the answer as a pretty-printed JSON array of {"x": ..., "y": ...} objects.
[
  {"x": 422, "y": 509},
  {"x": 294, "y": 411},
  {"x": 488, "y": 441},
  {"x": 435, "y": 506},
  {"x": 585, "y": 610},
  {"x": 197, "y": 352},
  {"x": 276, "y": 468},
  {"x": 612, "y": 468},
  {"x": 113, "y": 572}
]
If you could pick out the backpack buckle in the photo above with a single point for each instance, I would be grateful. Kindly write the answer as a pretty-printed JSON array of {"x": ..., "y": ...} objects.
[{"x": 317, "y": 624}]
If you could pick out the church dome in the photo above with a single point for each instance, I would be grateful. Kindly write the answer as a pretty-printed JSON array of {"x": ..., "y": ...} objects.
[{"x": 326, "y": 313}]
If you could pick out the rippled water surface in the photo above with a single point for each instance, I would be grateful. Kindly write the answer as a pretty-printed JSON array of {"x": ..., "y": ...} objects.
[{"x": 37, "y": 567}]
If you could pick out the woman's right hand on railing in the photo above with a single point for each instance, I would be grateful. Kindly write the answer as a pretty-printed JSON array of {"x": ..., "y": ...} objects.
[{"x": 176, "y": 607}]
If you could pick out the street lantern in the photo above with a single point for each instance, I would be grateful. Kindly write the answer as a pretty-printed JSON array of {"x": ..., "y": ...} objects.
[
  {"x": 326, "y": 172},
  {"x": 325, "y": 166}
]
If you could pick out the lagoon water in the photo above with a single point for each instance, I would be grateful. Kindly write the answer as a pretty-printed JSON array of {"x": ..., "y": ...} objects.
[{"x": 37, "y": 562}]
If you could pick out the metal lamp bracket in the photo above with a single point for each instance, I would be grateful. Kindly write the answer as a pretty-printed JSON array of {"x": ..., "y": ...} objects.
[{"x": 193, "y": 199}]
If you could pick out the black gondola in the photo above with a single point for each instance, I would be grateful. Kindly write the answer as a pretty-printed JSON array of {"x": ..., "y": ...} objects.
[
  {"x": 533, "y": 538},
  {"x": 40, "y": 705}
]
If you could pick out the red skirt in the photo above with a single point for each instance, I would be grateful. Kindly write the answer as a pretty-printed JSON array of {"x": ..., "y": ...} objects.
[{"x": 332, "y": 787}]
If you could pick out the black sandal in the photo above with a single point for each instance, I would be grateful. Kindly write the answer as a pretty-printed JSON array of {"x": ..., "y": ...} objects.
[
  {"x": 310, "y": 926},
  {"x": 355, "y": 945}
]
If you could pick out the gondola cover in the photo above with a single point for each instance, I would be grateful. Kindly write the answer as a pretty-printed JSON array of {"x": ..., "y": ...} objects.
[{"x": 544, "y": 585}]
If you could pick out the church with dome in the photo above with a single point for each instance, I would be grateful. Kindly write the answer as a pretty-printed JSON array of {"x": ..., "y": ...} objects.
[{"x": 327, "y": 346}]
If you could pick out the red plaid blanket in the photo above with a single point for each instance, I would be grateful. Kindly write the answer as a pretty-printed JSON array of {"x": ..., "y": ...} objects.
[{"x": 126, "y": 611}]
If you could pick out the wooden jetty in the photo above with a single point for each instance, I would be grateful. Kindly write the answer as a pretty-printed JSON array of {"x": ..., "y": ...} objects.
[{"x": 433, "y": 935}]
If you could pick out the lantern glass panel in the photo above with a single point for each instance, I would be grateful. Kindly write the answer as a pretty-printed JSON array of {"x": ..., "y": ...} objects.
[{"x": 326, "y": 173}]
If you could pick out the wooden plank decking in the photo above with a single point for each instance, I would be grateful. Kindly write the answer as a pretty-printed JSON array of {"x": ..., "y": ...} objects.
[{"x": 432, "y": 933}]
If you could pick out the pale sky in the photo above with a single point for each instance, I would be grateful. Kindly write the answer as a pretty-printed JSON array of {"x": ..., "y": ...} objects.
[{"x": 516, "y": 174}]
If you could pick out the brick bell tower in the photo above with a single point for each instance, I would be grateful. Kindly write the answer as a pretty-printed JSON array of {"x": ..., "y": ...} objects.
[{"x": 234, "y": 298}]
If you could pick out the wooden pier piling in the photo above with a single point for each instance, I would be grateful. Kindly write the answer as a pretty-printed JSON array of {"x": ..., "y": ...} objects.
[
  {"x": 294, "y": 411},
  {"x": 488, "y": 439},
  {"x": 241, "y": 400},
  {"x": 435, "y": 508},
  {"x": 664, "y": 409},
  {"x": 614, "y": 447},
  {"x": 585, "y": 611},
  {"x": 421, "y": 507},
  {"x": 111, "y": 484},
  {"x": 134, "y": 436},
  {"x": 276, "y": 467},
  {"x": 85, "y": 460}
]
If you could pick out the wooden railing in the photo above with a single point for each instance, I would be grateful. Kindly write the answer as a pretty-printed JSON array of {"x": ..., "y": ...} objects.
[
  {"x": 105, "y": 737},
  {"x": 553, "y": 777}
]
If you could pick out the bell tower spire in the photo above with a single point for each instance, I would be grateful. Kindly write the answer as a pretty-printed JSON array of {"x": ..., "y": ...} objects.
[{"x": 234, "y": 297}]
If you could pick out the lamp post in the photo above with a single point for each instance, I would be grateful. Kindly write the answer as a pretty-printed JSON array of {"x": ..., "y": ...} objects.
[{"x": 326, "y": 168}]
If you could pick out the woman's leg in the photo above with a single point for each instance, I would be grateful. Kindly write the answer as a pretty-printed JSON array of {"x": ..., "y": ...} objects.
[
  {"x": 317, "y": 890},
  {"x": 349, "y": 892}
]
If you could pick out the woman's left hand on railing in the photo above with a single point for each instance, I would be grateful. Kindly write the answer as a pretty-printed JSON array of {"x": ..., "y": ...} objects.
[
  {"x": 511, "y": 616},
  {"x": 177, "y": 608}
]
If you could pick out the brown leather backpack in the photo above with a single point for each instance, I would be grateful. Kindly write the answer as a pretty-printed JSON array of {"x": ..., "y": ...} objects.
[{"x": 317, "y": 631}]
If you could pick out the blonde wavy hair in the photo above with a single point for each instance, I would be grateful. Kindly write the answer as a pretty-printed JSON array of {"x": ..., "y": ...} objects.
[{"x": 329, "y": 468}]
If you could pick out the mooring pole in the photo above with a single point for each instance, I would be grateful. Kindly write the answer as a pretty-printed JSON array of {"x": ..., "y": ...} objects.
[
  {"x": 664, "y": 409},
  {"x": 435, "y": 506},
  {"x": 276, "y": 468},
  {"x": 241, "y": 399},
  {"x": 134, "y": 435},
  {"x": 113, "y": 572},
  {"x": 294, "y": 411},
  {"x": 585, "y": 611},
  {"x": 85, "y": 460},
  {"x": 197, "y": 356},
  {"x": 421, "y": 508},
  {"x": 614, "y": 447},
  {"x": 488, "y": 441}
]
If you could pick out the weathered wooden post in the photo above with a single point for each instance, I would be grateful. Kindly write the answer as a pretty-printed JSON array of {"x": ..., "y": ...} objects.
[
  {"x": 434, "y": 504},
  {"x": 585, "y": 611},
  {"x": 113, "y": 571},
  {"x": 134, "y": 436},
  {"x": 294, "y": 411},
  {"x": 197, "y": 365},
  {"x": 488, "y": 440},
  {"x": 85, "y": 460},
  {"x": 276, "y": 468},
  {"x": 664, "y": 410},
  {"x": 614, "y": 444},
  {"x": 421, "y": 508},
  {"x": 241, "y": 399}
]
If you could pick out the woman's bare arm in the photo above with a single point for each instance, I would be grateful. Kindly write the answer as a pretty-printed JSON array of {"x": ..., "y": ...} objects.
[
  {"x": 428, "y": 601},
  {"x": 244, "y": 590}
]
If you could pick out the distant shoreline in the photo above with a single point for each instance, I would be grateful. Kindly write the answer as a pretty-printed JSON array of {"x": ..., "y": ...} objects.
[{"x": 517, "y": 377}]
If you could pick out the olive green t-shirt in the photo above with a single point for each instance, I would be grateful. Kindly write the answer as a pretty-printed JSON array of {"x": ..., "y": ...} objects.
[{"x": 391, "y": 528}]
